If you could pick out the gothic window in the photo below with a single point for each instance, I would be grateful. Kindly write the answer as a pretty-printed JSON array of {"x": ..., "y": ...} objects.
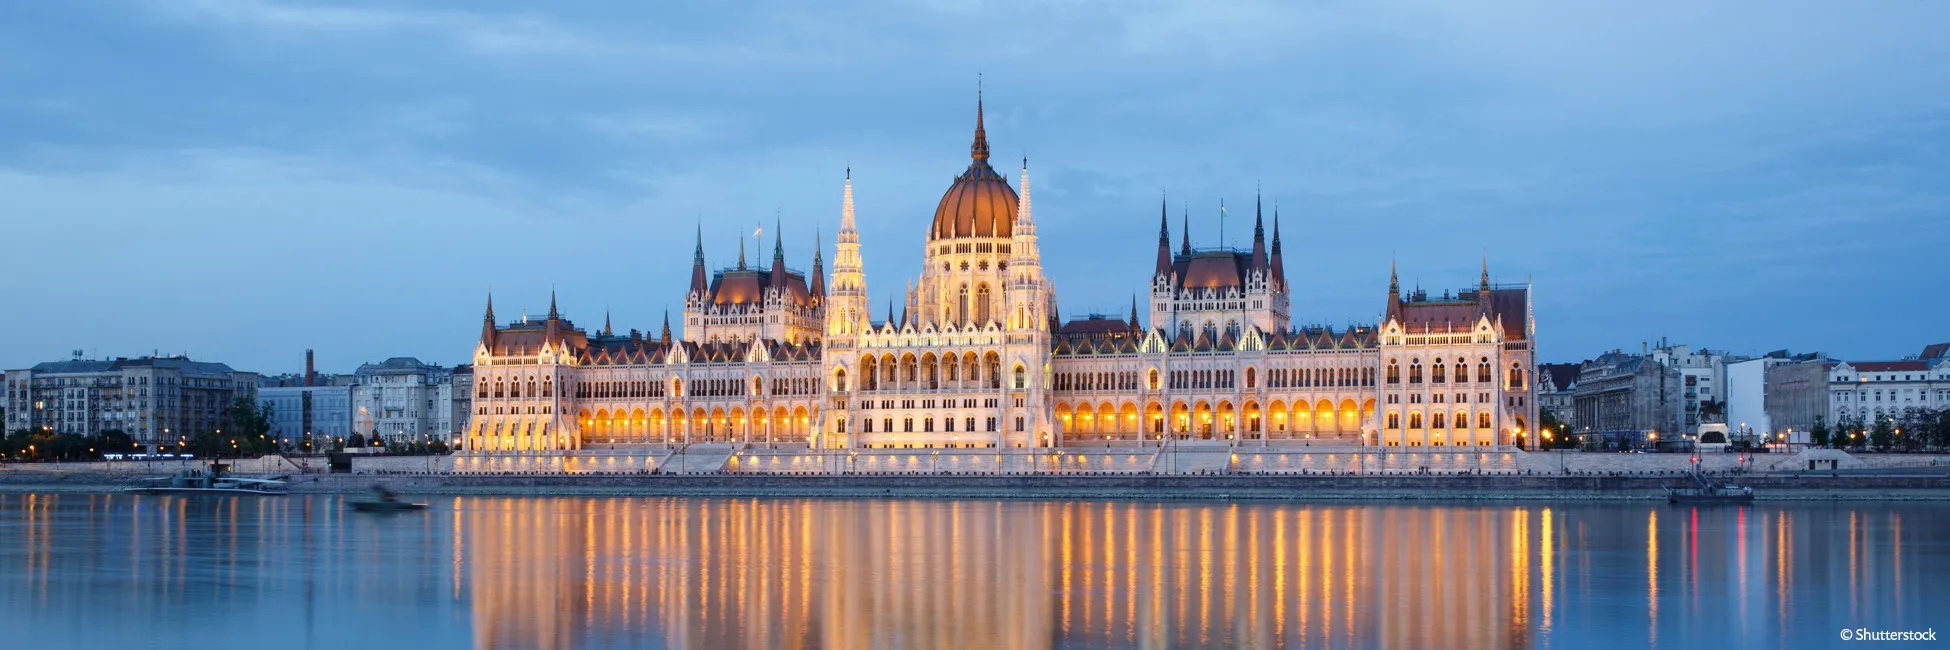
[
  {"x": 1251, "y": 376},
  {"x": 839, "y": 383},
  {"x": 1394, "y": 372},
  {"x": 982, "y": 304},
  {"x": 961, "y": 307},
  {"x": 1154, "y": 379},
  {"x": 1462, "y": 372},
  {"x": 1516, "y": 376},
  {"x": 1483, "y": 420},
  {"x": 1483, "y": 371},
  {"x": 758, "y": 387},
  {"x": 1437, "y": 421},
  {"x": 1394, "y": 420},
  {"x": 1019, "y": 378},
  {"x": 1415, "y": 372},
  {"x": 1440, "y": 372},
  {"x": 1415, "y": 420}
]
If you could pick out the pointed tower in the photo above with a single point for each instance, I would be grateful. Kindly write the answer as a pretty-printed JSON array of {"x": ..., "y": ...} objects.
[
  {"x": 665, "y": 337},
  {"x": 1259, "y": 238},
  {"x": 818, "y": 288},
  {"x": 1394, "y": 295},
  {"x": 1164, "y": 241},
  {"x": 1026, "y": 286},
  {"x": 1483, "y": 288},
  {"x": 741, "y": 253},
  {"x": 552, "y": 328},
  {"x": 698, "y": 277},
  {"x": 777, "y": 279},
  {"x": 487, "y": 324},
  {"x": 1134, "y": 317},
  {"x": 606, "y": 329},
  {"x": 1185, "y": 233},
  {"x": 1278, "y": 271},
  {"x": 847, "y": 308}
]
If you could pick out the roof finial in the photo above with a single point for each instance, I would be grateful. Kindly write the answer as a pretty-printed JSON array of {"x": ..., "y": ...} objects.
[
  {"x": 1486, "y": 272},
  {"x": 979, "y": 151},
  {"x": 1394, "y": 281},
  {"x": 552, "y": 314},
  {"x": 606, "y": 330}
]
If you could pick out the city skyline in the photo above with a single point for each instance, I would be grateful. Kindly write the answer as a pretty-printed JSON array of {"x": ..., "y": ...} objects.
[{"x": 344, "y": 211}]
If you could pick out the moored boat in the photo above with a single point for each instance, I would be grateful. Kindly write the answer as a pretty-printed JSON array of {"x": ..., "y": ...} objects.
[{"x": 211, "y": 481}]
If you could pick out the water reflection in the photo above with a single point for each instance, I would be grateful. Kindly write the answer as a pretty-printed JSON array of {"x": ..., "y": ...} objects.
[{"x": 748, "y": 573}]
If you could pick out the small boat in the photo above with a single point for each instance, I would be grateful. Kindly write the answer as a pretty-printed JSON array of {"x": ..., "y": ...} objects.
[
  {"x": 1705, "y": 491},
  {"x": 386, "y": 501},
  {"x": 212, "y": 481}
]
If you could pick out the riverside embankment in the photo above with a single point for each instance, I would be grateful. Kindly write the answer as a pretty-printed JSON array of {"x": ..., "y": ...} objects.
[{"x": 1841, "y": 486}]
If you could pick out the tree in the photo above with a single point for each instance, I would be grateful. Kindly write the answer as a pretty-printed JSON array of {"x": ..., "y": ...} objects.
[
  {"x": 1883, "y": 434},
  {"x": 1819, "y": 434},
  {"x": 1560, "y": 431},
  {"x": 248, "y": 419}
]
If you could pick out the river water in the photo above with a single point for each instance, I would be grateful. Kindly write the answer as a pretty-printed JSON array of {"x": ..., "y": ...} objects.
[{"x": 121, "y": 571}]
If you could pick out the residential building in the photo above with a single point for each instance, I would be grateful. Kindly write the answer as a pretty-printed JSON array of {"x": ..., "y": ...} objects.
[
  {"x": 1628, "y": 399},
  {"x": 403, "y": 398},
  {"x": 1865, "y": 391},
  {"x": 1702, "y": 375},
  {"x": 1557, "y": 387},
  {"x": 1797, "y": 396},
  {"x": 153, "y": 399}
]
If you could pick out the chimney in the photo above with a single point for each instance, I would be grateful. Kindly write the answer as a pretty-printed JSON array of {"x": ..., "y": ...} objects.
[{"x": 308, "y": 368}]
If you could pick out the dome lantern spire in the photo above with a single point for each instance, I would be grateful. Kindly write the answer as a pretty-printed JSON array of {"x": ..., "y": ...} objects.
[{"x": 979, "y": 151}]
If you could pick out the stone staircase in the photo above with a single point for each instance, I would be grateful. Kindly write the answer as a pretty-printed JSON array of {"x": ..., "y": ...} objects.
[{"x": 698, "y": 459}]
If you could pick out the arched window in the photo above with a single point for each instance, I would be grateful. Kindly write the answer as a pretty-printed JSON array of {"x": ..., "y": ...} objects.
[
  {"x": 1251, "y": 376},
  {"x": 1437, "y": 421},
  {"x": 1154, "y": 379},
  {"x": 1483, "y": 420},
  {"x": 1020, "y": 379},
  {"x": 1415, "y": 420},
  {"x": 961, "y": 307},
  {"x": 982, "y": 305},
  {"x": 676, "y": 387},
  {"x": 839, "y": 384},
  {"x": 1483, "y": 371},
  {"x": 758, "y": 387},
  {"x": 1462, "y": 371},
  {"x": 1415, "y": 372},
  {"x": 1394, "y": 372},
  {"x": 1516, "y": 376},
  {"x": 1440, "y": 373},
  {"x": 1394, "y": 420}
]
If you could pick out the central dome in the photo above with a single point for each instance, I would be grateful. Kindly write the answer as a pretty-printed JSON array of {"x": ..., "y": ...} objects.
[{"x": 980, "y": 203}]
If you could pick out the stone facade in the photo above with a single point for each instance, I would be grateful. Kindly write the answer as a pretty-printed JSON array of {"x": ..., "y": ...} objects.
[
  {"x": 1628, "y": 395},
  {"x": 974, "y": 354},
  {"x": 155, "y": 400}
]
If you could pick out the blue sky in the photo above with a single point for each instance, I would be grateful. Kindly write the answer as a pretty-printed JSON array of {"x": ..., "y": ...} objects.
[{"x": 244, "y": 179}]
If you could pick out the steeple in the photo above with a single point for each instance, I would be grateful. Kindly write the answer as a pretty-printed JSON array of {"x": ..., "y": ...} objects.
[
  {"x": 552, "y": 328},
  {"x": 1279, "y": 265},
  {"x": 606, "y": 329},
  {"x": 1134, "y": 318},
  {"x": 778, "y": 255},
  {"x": 487, "y": 323},
  {"x": 1259, "y": 236},
  {"x": 979, "y": 151},
  {"x": 1164, "y": 240},
  {"x": 1185, "y": 233},
  {"x": 890, "y": 311},
  {"x": 1394, "y": 311},
  {"x": 819, "y": 273},
  {"x": 1483, "y": 288},
  {"x": 741, "y": 253},
  {"x": 1023, "y": 219},
  {"x": 698, "y": 288},
  {"x": 665, "y": 337}
]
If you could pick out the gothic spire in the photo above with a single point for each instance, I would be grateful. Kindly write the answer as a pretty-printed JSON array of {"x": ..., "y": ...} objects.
[
  {"x": 1164, "y": 239},
  {"x": 1484, "y": 286},
  {"x": 1185, "y": 233},
  {"x": 1278, "y": 261},
  {"x": 819, "y": 271},
  {"x": 778, "y": 254},
  {"x": 666, "y": 335},
  {"x": 552, "y": 313},
  {"x": 606, "y": 329},
  {"x": 1259, "y": 235},
  {"x": 487, "y": 322},
  {"x": 697, "y": 265},
  {"x": 1134, "y": 317},
  {"x": 979, "y": 152},
  {"x": 741, "y": 253}
]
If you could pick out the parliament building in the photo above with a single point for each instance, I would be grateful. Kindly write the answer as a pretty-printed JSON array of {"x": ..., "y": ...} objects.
[{"x": 975, "y": 355}]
